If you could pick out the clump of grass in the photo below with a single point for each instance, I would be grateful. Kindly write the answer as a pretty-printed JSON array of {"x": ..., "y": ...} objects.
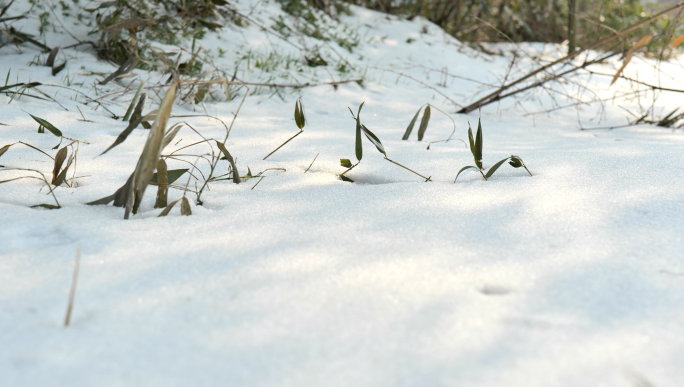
[
  {"x": 361, "y": 128},
  {"x": 476, "y": 150}
]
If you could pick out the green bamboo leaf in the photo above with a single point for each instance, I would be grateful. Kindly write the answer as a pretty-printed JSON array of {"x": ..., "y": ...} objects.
[
  {"x": 134, "y": 102},
  {"x": 57, "y": 69},
  {"x": 409, "y": 129},
  {"x": 424, "y": 123},
  {"x": 4, "y": 149},
  {"x": 236, "y": 175},
  {"x": 168, "y": 209},
  {"x": 300, "y": 119},
  {"x": 463, "y": 169},
  {"x": 359, "y": 145},
  {"x": 345, "y": 178},
  {"x": 478, "y": 145},
  {"x": 470, "y": 139},
  {"x": 172, "y": 176},
  {"x": 516, "y": 162},
  {"x": 345, "y": 163},
  {"x": 374, "y": 139},
  {"x": 47, "y": 206},
  {"x": 45, "y": 124},
  {"x": 494, "y": 168},
  {"x": 50, "y": 62}
]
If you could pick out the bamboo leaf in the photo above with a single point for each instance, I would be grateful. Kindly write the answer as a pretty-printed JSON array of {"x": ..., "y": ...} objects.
[
  {"x": 4, "y": 149},
  {"x": 359, "y": 144},
  {"x": 50, "y": 62},
  {"x": 478, "y": 145},
  {"x": 628, "y": 55},
  {"x": 470, "y": 139},
  {"x": 134, "y": 102},
  {"x": 495, "y": 167},
  {"x": 345, "y": 178},
  {"x": 59, "y": 160},
  {"x": 47, "y": 206},
  {"x": 374, "y": 139},
  {"x": 345, "y": 163},
  {"x": 516, "y": 162},
  {"x": 409, "y": 128},
  {"x": 147, "y": 162},
  {"x": 171, "y": 176},
  {"x": 236, "y": 175},
  {"x": 57, "y": 69},
  {"x": 168, "y": 209},
  {"x": 424, "y": 123},
  {"x": 300, "y": 119},
  {"x": 62, "y": 175},
  {"x": 463, "y": 169},
  {"x": 45, "y": 124},
  {"x": 185, "y": 207}
]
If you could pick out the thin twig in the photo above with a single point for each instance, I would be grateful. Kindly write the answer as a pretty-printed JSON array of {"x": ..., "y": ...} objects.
[
  {"x": 283, "y": 144},
  {"x": 408, "y": 169},
  {"x": 72, "y": 291},
  {"x": 492, "y": 96},
  {"x": 314, "y": 160}
]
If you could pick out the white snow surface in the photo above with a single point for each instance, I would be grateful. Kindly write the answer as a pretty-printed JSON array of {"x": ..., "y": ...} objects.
[{"x": 572, "y": 277}]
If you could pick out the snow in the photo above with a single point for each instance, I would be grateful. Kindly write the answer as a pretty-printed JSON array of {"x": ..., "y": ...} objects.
[{"x": 571, "y": 277}]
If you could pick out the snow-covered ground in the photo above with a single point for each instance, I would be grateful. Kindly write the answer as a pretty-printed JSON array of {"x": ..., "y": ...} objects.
[{"x": 572, "y": 277}]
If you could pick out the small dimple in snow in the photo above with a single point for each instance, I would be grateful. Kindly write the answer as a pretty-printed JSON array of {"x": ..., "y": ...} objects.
[{"x": 494, "y": 290}]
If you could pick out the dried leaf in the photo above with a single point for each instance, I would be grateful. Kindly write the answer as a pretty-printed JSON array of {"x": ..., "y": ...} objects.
[
  {"x": 59, "y": 160},
  {"x": 202, "y": 92},
  {"x": 62, "y": 175},
  {"x": 57, "y": 69},
  {"x": 677, "y": 41},
  {"x": 150, "y": 154},
  {"x": 236, "y": 175},
  {"x": 4, "y": 149},
  {"x": 163, "y": 185},
  {"x": 628, "y": 55},
  {"x": 185, "y": 207},
  {"x": 126, "y": 67},
  {"x": 134, "y": 102},
  {"x": 168, "y": 209},
  {"x": 424, "y": 123}
]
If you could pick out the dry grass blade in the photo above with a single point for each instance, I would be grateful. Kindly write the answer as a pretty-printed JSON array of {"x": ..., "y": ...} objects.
[
  {"x": 62, "y": 175},
  {"x": 72, "y": 290},
  {"x": 150, "y": 154},
  {"x": 163, "y": 185},
  {"x": 185, "y": 207},
  {"x": 134, "y": 102},
  {"x": 59, "y": 160},
  {"x": 628, "y": 55},
  {"x": 5, "y": 149}
]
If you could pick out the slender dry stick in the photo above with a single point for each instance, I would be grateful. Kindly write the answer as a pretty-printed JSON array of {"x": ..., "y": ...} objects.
[
  {"x": 421, "y": 82},
  {"x": 492, "y": 96},
  {"x": 408, "y": 169},
  {"x": 350, "y": 168},
  {"x": 257, "y": 183},
  {"x": 283, "y": 144},
  {"x": 72, "y": 291},
  {"x": 314, "y": 160}
]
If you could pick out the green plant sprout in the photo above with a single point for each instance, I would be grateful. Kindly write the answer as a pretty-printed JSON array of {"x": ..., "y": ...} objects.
[
  {"x": 424, "y": 121},
  {"x": 476, "y": 150},
  {"x": 359, "y": 148},
  {"x": 300, "y": 120}
]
